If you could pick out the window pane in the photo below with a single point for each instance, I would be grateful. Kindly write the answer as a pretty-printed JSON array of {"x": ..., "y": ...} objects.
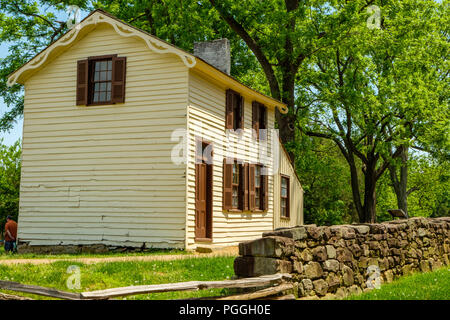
[
  {"x": 96, "y": 76},
  {"x": 108, "y": 96},
  {"x": 235, "y": 173},
  {"x": 108, "y": 75},
  {"x": 102, "y": 96},
  {"x": 97, "y": 66},
  {"x": 257, "y": 176},
  {"x": 108, "y": 87},
  {"x": 103, "y": 65},
  {"x": 102, "y": 76},
  {"x": 283, "y": 182},
  {"x": 95, "y": 97},
  {"x": 262, "y": 118},
  {"x": 103, "y": 86},
  {"x": 109, "y": 65},
  {"x": 97, "y": 87},
  {"x": 235, "y": 203}
]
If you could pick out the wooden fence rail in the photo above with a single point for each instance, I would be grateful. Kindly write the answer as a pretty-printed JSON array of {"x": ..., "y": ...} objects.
[{"x": 276, "y": 283}]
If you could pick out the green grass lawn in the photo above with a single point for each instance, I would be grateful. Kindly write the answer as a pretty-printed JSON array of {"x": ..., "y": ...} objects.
[
  {"x": 5, "y": 256},
  {"x": 420, "y": 286},
  {"x": 119, "y": 274}
]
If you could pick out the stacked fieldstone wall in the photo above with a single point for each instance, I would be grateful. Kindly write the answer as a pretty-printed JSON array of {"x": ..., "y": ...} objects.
[{"x": 341, "y": 260}]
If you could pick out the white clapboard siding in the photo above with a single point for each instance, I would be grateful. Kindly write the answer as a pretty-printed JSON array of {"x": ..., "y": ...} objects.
[
  {"x": 206, "y": 118},
  {"x": 103, "y": 174},
  {"x": 296, "y": 194}
]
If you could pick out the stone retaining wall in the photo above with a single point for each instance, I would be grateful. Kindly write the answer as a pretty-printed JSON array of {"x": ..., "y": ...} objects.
[{"x": 347, "y": 259}]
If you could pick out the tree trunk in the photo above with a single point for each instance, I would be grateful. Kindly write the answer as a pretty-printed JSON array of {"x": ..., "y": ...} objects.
[
  {"x": 355, "y": 187},
  {"x": 286, "y": 122},
  {"x": 370, "y": 199},
  {"x": 400, "y": 185}
]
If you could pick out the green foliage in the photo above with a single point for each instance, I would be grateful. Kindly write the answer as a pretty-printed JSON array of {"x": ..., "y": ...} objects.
[
  {"x": 428, "y": 186},
  {"x": 10, "y": 165},
  {"x": 374, "y": 91},
  {"x": 431, "y": 180},
  {"x": 325, "y": 180}
]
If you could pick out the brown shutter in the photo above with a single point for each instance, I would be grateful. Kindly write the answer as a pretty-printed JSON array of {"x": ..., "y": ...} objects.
[
  {"x": 229, "y": 109},
  {"x": 241, "y": 113},
  {"x": 82, "y": 82},
  {"x": 227, "y": 184},
  {"x": 200, "y": 200},
  {"x": 251, "y": 187},
  {"x": 265, "y": 188},
  {"x": 255, "y": 119},
  {"x": 118, "y": 79},
  {"x": 288, "y": 202},
  {"x": 245, "y": 186}
]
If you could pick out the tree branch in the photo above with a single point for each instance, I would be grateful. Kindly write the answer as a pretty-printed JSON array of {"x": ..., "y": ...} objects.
[{"x": 251, "y": 43}]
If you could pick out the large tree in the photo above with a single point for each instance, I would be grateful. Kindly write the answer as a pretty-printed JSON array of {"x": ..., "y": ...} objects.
[
  {"x": 373, "y": 91},
  {"x": 341, "y": 80}
]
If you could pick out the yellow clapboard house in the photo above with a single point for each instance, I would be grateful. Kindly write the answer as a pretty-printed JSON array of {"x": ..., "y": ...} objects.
[{"x": 130, "y": 141}]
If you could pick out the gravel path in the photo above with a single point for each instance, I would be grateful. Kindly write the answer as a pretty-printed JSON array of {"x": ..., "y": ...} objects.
[{"x": 229, "y": 251}]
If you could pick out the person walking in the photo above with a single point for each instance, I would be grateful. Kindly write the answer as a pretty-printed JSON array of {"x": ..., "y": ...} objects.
[{"x": 10, "y": 234}]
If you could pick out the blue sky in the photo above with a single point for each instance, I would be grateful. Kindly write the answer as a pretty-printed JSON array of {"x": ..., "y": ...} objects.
[{"x": 16, "y": 133}]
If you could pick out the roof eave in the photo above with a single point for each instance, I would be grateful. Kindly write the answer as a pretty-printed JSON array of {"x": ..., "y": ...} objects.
[{"x": 234, "y": 84}]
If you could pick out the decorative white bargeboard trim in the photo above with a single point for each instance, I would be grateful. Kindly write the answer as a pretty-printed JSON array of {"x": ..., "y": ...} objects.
[{"x": 121, "y": 28}]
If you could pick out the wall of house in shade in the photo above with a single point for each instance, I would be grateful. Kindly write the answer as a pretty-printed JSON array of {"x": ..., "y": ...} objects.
[{"x": 347, "y": 259}]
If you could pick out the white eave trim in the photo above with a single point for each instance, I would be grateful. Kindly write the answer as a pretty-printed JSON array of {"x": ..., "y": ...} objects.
[{"x": 121, "y": 28}]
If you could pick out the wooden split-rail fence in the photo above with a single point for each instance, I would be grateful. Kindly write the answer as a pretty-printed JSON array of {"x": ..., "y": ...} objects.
[{"x": 275, "y": 287}]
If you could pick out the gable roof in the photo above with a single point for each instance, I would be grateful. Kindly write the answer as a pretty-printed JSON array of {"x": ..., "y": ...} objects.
[{"x": 153, "y": 43}]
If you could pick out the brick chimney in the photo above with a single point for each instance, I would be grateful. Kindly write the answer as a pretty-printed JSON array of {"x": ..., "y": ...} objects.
[{"x": 216, "y": 53}]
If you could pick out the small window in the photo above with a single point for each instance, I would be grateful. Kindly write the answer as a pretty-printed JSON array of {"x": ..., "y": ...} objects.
[
  {"x": 235, "y": 185},
  {"x": 234, "y": 118},
  {"x": 259, "y": 120},
  {"x": 285, "y": 197},
  {"x": 237, "y": 173},
  {"x": 258, "y": 190},
  {"x": 101, "y": 80},
  {"x": 259, "y": 187}
]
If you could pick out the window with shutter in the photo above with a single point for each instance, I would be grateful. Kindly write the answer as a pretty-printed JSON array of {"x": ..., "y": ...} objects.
[
  {"x": 259, "y": 120},
  {"x": 259, "y": 191},
  {"x": 234, "y": 115},
  {"x": 227, "y": 184},
  {"x": 285, "y": 196},
  {"x": 245, "y": 186},
  {"x": 251, "y": 187},
  {"x": 101, "y": 80},
  {"x": 265, "y": 192},
  {"x": 235, "y": 181},
  {"x": 258, "y": 188}
]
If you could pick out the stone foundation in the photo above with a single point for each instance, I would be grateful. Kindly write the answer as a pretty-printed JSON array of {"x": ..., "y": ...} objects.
[
  {"x": 341, "y": 260},
  {"x": 74, "y": 249}
]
